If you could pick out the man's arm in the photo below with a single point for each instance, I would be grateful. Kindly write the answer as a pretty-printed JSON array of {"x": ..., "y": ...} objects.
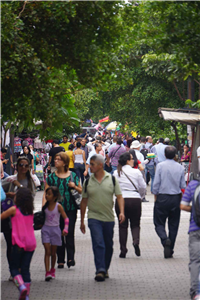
[
  {"x": 120, "y": 201},
  {"x": 186, "y": 207},
  {"x": 183, "y": 184},
  {"x": 83, "y": 210},
  {"x": 157, "y": 181},
  {"x": 49, "y": 163},
  {"x": 1, "y": 169}
]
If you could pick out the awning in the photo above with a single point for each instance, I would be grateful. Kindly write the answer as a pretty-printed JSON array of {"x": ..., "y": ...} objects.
[{"x": 187, "y": 116}]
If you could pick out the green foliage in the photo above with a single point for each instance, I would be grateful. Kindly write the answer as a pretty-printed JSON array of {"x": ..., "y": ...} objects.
[
  {"x": 192, "y": 104},
  {"x": 170, "y": 32},
  {"x": 51, "y": 50}
]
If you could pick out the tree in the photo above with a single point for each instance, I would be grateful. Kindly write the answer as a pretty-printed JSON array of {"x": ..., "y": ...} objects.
[
  {"x": 169, "y": 32},
  {"x": 52, "y": 49}
]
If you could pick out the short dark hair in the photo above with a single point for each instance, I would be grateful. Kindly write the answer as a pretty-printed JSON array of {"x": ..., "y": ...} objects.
[
  {"x": 78, "y": 145},
  {"x": 65, "y": 136},
  {"x": 119, "y": 141},
  {"x": 4, "y": 150},
  {"x": 170, "y": 152},
  {"x": 161, "y": 140},
  {"x": 71, "y": 147},
  {"x": 143, "y": 139},
  {"x": 55, "y": 142}
]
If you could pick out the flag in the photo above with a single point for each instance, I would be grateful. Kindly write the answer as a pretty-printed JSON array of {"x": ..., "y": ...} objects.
[
  {"x": 134, "y": 134},
  {"x": 106, "y": 119}
]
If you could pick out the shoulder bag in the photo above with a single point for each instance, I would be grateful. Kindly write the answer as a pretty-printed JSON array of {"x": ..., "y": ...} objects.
[
  {"x": 38, "y": 220},
  {"x": 132, "y": 183},
  {"x": 75, "y": 195}
]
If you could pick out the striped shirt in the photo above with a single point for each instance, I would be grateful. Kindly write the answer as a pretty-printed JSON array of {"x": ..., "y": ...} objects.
[{"x": 187, "y": 198}]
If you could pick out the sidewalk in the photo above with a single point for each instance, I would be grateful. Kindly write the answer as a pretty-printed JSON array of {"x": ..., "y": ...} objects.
[{"x": 149, "y": 277}]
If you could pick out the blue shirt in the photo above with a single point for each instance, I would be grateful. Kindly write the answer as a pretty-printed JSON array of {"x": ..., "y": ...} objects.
[
  {"x": 187, "y": 198},
  {"x": 147, "y": 145},
  {"x": 159, "y": 150},
  {"x": 3, "y": 195},
  {"x": 169, "y": 178}
]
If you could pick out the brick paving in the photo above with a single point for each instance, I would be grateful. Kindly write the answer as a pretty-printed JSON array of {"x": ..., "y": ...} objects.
[{"x": 149, "y": 277}]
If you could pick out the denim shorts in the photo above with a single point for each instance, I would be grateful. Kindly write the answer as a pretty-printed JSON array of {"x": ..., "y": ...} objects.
[{"x": 51, "y": 235}]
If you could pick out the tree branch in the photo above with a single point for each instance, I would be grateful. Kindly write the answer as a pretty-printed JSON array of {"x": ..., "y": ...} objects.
[
  {"x": 178, "y": 91},
  {"x": 197, "y": 81},
  {"x": 23, "y": 8}
]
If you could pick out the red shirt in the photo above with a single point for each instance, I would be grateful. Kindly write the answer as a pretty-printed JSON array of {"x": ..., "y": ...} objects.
[{"x": 138, "y": 162}]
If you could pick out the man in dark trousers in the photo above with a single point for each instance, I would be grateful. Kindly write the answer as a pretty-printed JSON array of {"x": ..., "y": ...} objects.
[{"x": 168, "y": 182}]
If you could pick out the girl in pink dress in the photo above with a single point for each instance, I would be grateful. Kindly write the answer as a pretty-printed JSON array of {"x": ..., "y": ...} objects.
[{"x": 23, "y": 240}]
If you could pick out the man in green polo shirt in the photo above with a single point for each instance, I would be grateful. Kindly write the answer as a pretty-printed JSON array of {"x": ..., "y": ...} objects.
[{"x": 98, "y": 196}]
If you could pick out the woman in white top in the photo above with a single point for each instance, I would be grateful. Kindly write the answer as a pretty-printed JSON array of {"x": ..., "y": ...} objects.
[
  {"x": 132, "y": 185},
  {"x": 79, "y": 161}
]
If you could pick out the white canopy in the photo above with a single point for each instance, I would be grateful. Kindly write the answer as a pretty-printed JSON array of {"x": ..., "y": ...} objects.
[{"x": 189, "y": 117}]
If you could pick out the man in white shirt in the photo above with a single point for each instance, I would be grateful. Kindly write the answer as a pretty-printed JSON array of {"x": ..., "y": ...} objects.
[
  {"x": 159, "y": 150},
  {"x": 97, "y": 150}
]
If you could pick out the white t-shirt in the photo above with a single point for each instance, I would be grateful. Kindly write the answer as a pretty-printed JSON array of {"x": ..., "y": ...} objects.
[{"x": 127, "y": 188}]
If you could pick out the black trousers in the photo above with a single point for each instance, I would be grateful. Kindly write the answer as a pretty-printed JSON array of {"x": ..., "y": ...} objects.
[
  {"x": 167, "y": 207},
  {"x": 68, "y": 242},
  {"x": 8, "y": 238},
  {"x": 132, "y": 213}
]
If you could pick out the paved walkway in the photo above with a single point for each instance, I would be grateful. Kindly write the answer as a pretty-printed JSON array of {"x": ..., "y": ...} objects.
[{"x": 149, "y": 277}]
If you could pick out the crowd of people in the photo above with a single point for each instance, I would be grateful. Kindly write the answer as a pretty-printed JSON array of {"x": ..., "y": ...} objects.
[{"x": 99, "y": 168}]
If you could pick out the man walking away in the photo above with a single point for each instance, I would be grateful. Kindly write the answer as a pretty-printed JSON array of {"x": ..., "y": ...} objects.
[
  {"x": 115, "y": 153},
  {"x": 193, "y": 190},
  {"x": 97, "y": 194},
  {"x": 159, "y": 150},
  {"x": 150, "y": 168},
  {"x": 168, "y": 182}
]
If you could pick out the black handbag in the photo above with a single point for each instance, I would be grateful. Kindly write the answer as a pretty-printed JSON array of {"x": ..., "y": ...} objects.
[
  {"x": 76, "y": 197},
  {"x": 108, "y": 168},
  {"x": 38, "y": 220}
]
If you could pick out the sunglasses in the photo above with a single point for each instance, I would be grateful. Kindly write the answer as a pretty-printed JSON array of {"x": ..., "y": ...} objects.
[{"x": 23, "y": 165}]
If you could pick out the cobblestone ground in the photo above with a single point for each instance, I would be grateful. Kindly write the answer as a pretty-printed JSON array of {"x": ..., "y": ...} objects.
[{"x": 147, "y": 277}]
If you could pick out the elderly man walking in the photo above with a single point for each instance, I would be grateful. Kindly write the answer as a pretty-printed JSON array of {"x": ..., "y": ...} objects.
[
  {"x": 97, "y": 194},
  {"x": 168, "y": 182}
]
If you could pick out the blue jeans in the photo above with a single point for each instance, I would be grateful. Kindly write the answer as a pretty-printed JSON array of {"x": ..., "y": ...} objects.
[
  {"x": 151, "y": 170},
  {"x": 5, "y": 175},
  {"x": 20, "y": 259},
  {"x": 102, "y": 243},
  {"x": 113, "y": 169},
  {"x": 79, "y": 170}
]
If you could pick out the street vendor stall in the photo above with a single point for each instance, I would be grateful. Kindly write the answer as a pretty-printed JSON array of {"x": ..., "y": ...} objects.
[{"x": 189, "y": 117}]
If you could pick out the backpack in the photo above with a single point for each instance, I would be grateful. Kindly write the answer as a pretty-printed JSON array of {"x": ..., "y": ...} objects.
[
  {"x": 144, "y": 151},
  {"x": 196, "y": 205},
  {"x": 87, "y": 181}
]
